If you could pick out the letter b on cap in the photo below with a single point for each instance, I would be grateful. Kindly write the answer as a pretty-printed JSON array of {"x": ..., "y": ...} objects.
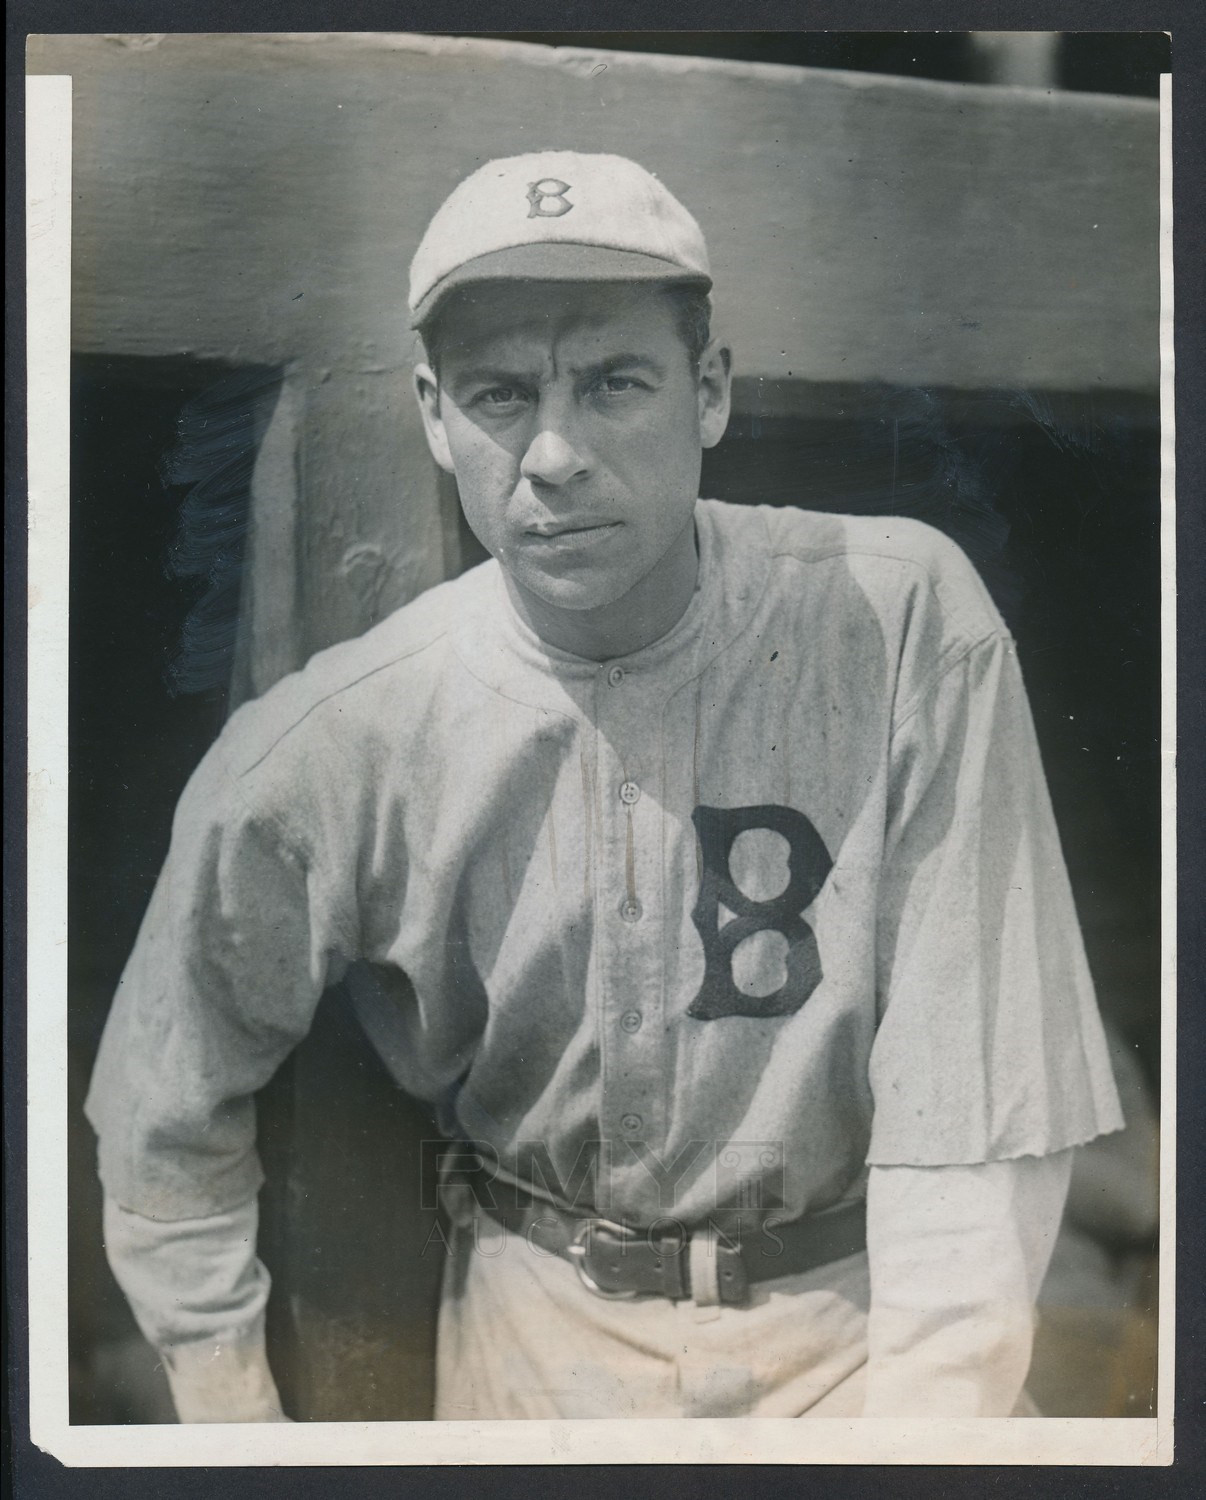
[{"x": 547, "y": 200}]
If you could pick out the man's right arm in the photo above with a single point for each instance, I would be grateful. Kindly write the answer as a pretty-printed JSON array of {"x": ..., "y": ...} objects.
[
  {"x": 198, "y": 1291},
  {"x": 240, "y": 939}
]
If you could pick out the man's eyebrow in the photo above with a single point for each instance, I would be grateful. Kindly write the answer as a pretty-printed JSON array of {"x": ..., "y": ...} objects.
[
  {"x": 490, "y": 375},
  {"x": 614, "y": 363},
  {"x": 501, "y": 374}
]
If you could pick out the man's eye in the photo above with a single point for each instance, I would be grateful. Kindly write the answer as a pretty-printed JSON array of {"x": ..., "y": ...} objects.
[
  {"x": 500, "y": 395},
  {"x": 616, "y": 385}
]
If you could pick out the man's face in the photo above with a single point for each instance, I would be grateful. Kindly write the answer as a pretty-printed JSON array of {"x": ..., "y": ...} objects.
[{"x": 574, "y": 420}]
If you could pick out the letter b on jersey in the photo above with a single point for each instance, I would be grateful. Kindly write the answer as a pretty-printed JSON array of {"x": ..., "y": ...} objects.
[{"x": 808, "y": 865}]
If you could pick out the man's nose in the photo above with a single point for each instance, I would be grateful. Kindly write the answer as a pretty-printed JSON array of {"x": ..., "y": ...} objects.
[{"x": 552, "y": 458}]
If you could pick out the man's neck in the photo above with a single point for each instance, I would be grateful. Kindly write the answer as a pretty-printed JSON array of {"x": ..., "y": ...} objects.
[{"x": 648, "y": 611}]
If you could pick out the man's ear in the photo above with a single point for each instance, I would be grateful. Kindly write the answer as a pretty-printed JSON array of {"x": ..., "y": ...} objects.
[
  {"x": 715, "y": 392},
  {"x": 427, "y": 393}
]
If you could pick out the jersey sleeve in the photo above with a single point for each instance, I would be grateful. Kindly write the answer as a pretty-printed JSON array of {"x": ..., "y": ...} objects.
[
  {"x": 989, "y": 1044},
  {"x": 198, "y": 1292},
  {"x": 236, "y": 947}
]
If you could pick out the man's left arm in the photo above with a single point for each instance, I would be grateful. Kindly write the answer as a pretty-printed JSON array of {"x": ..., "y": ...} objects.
[
  {"x": 989, "y": 1063},
  {"x": 957, "y": 1256}
]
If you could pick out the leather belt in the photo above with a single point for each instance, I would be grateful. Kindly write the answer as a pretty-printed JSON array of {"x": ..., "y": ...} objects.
[{"x": 620, "y": 1261}]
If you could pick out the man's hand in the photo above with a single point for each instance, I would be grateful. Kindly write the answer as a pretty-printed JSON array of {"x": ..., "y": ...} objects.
[{"x": 223, "y": 1380}]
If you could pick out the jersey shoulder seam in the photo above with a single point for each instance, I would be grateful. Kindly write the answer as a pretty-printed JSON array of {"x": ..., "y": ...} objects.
[
  {"x": 827, "y": 554},
  {"x": 955, "y": 653},
  {"x": 943, "y": 670},
  {"x": 343, "y": 687},
  {"x": 507, "y": 697},
  {"x": 971, "y": 637}
]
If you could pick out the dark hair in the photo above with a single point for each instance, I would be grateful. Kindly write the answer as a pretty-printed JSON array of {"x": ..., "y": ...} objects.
[{"x": 692, "y": 318}]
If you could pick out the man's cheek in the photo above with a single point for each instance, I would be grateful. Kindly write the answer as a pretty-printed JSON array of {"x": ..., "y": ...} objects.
[
  {"x": 487, "y": 469},
  {"x": 646, "y": 452}
]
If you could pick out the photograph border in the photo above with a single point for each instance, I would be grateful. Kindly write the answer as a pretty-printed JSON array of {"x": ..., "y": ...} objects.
[{"x": 1001, "y": 1441}]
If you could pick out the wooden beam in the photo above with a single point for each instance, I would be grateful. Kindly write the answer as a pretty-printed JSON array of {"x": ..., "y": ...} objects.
[{"x": 260, "y": 197}]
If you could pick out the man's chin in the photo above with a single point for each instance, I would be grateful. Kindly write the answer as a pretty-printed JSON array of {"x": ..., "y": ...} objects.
[{"x": 578, "y": 594}]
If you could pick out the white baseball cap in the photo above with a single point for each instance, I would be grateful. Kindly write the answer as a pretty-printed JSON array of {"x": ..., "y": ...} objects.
[{"x": 556, "y": 216}]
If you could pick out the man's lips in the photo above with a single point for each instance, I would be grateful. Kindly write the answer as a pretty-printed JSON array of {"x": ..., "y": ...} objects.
[{"x": 557, "y": 530}]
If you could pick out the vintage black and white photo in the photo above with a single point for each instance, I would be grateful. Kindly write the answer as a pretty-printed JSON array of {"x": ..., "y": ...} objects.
[{"x": 614, "y": 842}]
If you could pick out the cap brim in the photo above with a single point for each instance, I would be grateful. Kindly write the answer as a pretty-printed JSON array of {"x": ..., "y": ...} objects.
[{"x": 556, "y": 261}]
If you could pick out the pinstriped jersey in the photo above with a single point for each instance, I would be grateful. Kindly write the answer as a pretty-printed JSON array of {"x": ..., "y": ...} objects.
[{"x": 714, "y": 925}]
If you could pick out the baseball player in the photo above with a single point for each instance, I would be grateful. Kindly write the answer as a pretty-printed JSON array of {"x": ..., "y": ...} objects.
[{"x": 696, "y": 860}]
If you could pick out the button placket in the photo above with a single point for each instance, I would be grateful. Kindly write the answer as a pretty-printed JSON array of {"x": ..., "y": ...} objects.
[{"x": 631, "y": 1047}]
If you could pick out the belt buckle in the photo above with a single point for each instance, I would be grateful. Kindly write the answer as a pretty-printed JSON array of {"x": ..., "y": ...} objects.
[{"x": 577, "y": 1247}]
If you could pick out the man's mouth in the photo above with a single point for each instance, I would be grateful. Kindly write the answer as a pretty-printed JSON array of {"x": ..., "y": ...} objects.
[{"x": 557, "y": 530}]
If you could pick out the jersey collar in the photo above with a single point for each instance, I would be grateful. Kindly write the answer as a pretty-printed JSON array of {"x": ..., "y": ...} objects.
[{"x": 503, "y": 652}]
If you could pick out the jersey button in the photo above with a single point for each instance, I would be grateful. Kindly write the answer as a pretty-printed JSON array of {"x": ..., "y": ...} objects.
[
  {"x": 616, "y": 676},
  {"x": 631, "y": 911},
  {"x": 630, "y": 1124},
  {"x": 631, "y": 1020},
  {"x": 630, "y": 793}
]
